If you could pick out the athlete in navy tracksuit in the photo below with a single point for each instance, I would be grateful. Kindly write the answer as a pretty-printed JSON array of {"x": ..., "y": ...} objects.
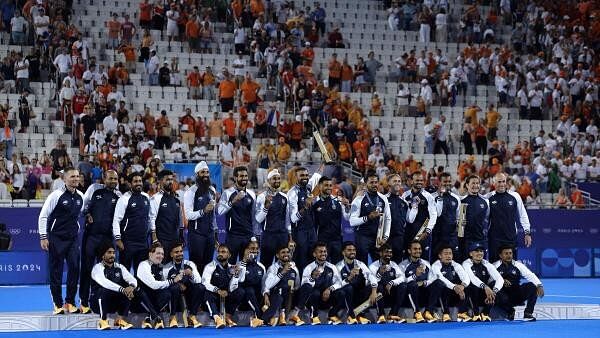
[
  {"x": 486, "y": 283},
  {"x": 221, "y": 279},
  {"x": 448, "y": 206},
  {"x": 272, "y": 215},
  {"x": 476, "y": 218},
  {"x": 367, "y": 212},
  {"x": 161, "y": 290},
  {"x": 192, "y": 281},
  {"x": 390, "y": 283},
  {"x": 361, "y": 283},
  {"x": 199, "y": 203},
  {"x": 402, "y": 213},
  {"x": 424, "y": 202},
  {"x": 277, "y": 286},
  {"x": 58, "y": 227},
  {"x": 251, "y": 282},
  {"x": 238, "y": 205},
  {"x": 114, "y": 288},
  {"x": 507, "y": 212},
  {"x": 166, "y": 222},
  {"x": 131, "y": 224},
  {"x": 449, "y": 287},
  {"x": 321, "y": 284},
  {"x": 100, "y": 202},
  {"x": 300, "y": 201},
  {"x": 516, "y": 293},
  {"x": 328, "y": 213},
  {"x": 418, "y": 276}
]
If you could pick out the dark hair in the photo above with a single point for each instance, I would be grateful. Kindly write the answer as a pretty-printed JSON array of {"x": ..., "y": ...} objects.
[
  {"x": 324, "y": 179},
  {"x": 505, "y": 247},
  {"x": 155, "y": 246},
  {"x": 134, "y": 174},
  {"x": 385, "y": 247},
  {"x": 443, "y": 246},
  {"x": 224, "y": 246},
  {"x": 371, "y": 173},
  {"x": 238, "y": 169},
  {"x": 299, "y": 169},
  {"x": 177, "y": 244},
  {"x": 414, "y": 241},
  {"x": 444, "y": 175},
  {"x": 163, "y": 173},
  {"x": 415, "y": 173},
  {"x": 318, "y": 245},
  {"x": 281, "y": 247},
  {"x": 103, "y": 248},
  {"x": 471, "y": 177},
  {"x": 347, "y": 244}
]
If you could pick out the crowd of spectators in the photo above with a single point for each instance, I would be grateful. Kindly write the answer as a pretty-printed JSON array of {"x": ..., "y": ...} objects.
[{"x": 547, "y": 68}]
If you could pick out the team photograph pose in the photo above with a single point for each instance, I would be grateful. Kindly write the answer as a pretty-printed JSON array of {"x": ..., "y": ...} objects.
[{"x": 424, "y": 222}]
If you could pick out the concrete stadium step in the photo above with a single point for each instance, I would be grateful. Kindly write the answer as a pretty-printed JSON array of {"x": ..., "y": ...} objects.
[{"x": 41, "y": 321}]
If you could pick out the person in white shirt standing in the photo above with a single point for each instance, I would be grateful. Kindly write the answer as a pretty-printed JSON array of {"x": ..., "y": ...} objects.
[
  {"x": 152, "y": 68},
  {"x": 22, "y": 70},
  {"x": 63, "y": 64},
  {"x": 172, "y": 28},
  {"x": 441, "y": 26},
  {"x": 536, "y": 97}
]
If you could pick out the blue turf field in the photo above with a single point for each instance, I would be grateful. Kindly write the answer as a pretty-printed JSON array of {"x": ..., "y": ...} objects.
[{"x": 546, "y": 329}]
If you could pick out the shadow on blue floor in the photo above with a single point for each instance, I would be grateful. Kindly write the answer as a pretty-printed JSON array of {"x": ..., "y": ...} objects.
[{"x": 546, "y": 329}]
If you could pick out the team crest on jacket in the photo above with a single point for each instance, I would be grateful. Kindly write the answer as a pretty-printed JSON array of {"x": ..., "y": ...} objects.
[
  {"x": 510, "y": 203},
  {"x": 133, "y": 204},
  {"x": 453, "y": 203},
  {"x": 78, "y": 202},
  {"x": 98, "y": 197},
  {"x": 118, "y": 274},
  {"x": 164, "y": 205},
  {"x": 145, "y": 202},
  {"x": 65, "y": 202},
  {"x": 482, "y": 206}
]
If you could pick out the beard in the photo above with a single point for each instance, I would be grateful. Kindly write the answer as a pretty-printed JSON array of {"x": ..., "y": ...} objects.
[{"x": 204, "y": 184}]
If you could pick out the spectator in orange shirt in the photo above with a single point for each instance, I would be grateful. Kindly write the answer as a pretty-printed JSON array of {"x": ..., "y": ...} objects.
[
  {"x": 297, "y": 129},
  {"x": 246, "y": 129},
  {"x": 200, "y": 127},
  {"x": 114, "y": 28},
  {"x": 230, "y": 127},
  {"x": 257, "y": 8},
  {"x": 249, "y": 92},
  {"x": 193, "y": 82},
  {"x": 130, "y": 58},
  {"x": 335, "y": 72},
  {"x": 215, "y": 130},
  {"x": 163, "y": 131},
  {"x": 148, "y": 120},
  {"x": 192, "y": 32},
  {"x": 347, "y": 74},
  {"x": 227, "y": 93},
  {"x": 260, "y": 122},
  {"x": 308, "y": 54},
  {"x": 577, "y": 198},
  {"x": 145, "y": 14},
  {"x": 283, "y": 151},
  {"x": 188, "y": 124},
  {"x": 344, "y": 150}
]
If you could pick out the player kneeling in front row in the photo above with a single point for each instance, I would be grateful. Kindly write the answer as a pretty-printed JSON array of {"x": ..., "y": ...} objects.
[
  {"x": 113, "y": 289},
  {"x": 486, "y": 283},
  {"x": 390, "y": 283},
  {"x": 163, "y": 292},
  {"x": 221, "y": 281},
  {"x": 516, "y": 293},
  {"x": 418, "y": 277},
  {"x": 361, "y": 284},
  {"x": 321, "y": 282},
  {"x": 191, "y": 287},
  {"x": 282, "y": 280},
  {"x": 450, "y": 285}
]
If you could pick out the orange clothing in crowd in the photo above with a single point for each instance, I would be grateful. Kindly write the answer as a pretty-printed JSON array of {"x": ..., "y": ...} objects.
[
  {"x": 229, "y": 124},
  {"x": 257, "y": 7},
  {"x": 335, "y": 69},
  {"x": 192, "y": 29},
  {"x": 577, "y": 199},
  {"x": 226, "y": 89},
  {"x": 145, "y": 11},
  {"x": 249, "y": 91},
  {"x": 193, "y": 79}
]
